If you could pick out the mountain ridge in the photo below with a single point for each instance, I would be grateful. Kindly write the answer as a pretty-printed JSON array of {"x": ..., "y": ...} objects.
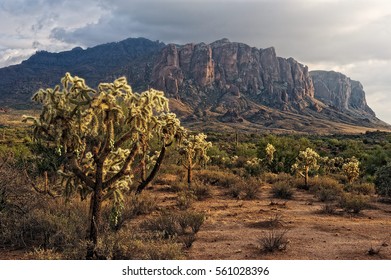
[{"x": 223, "y": 82}]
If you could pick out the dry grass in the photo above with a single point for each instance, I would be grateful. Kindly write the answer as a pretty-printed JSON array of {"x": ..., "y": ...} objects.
[{"x": 216, "y": 227}]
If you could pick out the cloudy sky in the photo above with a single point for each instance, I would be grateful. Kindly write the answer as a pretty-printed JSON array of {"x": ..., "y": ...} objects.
[{"x": 350, "y": 36}]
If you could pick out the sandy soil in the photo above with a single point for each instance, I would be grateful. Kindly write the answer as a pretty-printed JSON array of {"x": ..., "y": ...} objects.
[{"x": 233, "y": 229}]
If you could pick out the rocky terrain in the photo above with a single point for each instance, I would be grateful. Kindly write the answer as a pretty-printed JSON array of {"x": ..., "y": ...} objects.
[{"x": 222, "y": 84}]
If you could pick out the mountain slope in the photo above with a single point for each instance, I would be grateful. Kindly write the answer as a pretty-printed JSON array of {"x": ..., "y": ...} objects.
[{"x": 222, "y": 84}]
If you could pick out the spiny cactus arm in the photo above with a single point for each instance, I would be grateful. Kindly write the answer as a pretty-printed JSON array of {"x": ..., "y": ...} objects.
[
  {"x": 105, "y": 148},
  {"x": 154, "y": 171},
  {"x": 123, "y": 171},
  {"x": 74, "y": 166},
  {"x": 125, "y": 137}
]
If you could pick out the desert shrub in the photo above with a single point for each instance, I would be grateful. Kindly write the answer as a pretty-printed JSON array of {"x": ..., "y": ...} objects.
[
  {"x": 175, "y": 224},
  {"x": 141, "y": 204},
  {"x": 353, "y": 202},
  {"x": 200, "y": 189},
  {"x": 125, "y": 246},
  {"x": 383, "y": 181},
  {"x": 185, "y": 199},
  {"x": 360, "y": 188},
  {"x": 246, "y": 150},
  {"x": 274, "y": 240},
  {"x": 58, "y": 227},
  {"x": 251, "y": 188},
  {"x": 271, "y": 178},
  {"x": 192, "y": 220},
  {"x": 235, "y": 190},
  {"x": 329, "y": 208},
  {"x": 178, "y": 186},
  {"x": 134, "y": 205},
  {"x": 187, "y": 240},
  {"x": 166, "y": 224},
  {"x": 326, "y": 188},
  {"x": 282, "y": 189},
  {"x": 253, "y": 166},
  {"x": 165, "y": 179},
  {"x": 171, "y": 168},
  {"x": 274, "y": 221},
  {"x": 229, "y": 180},
  {"x": 31, "y": 219},
  {"x": 217, "y": 155},
  {"x": 44, "y": 254},
  {"x": 215, "y": 177}
]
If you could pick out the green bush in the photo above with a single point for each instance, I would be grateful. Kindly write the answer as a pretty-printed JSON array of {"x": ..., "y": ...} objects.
[
  {"x": 251, "y": 188},
  {"x": 175, "y": 224},
  {"x": 185, "y": 199},
  {"x": 354, "y": 203},
  {"x": 282, "y": 189},
  {"x": 326, "y": 188},
  {"x": 329, "y": 208},
  {"x": 383, "y": 181},
  {"x": 360, "y": 188},
  {"x": 200, "y": 189},
  {"x": 192, "y": 220},
  {"x": 166, "y": 224},
  {"x": 44, "y": 254},
  {"x": 125, "y": 246}
]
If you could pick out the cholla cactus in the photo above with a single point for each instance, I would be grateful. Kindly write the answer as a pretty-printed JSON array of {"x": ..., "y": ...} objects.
[
  {"x": 331, "y": 165},
  {"x": 100, "y": 134},
  {"x": 351, "y": 169},
  {"x": 306, "y": 161},
  {"x": 270, "y": 150},
  {"x": 194, "y": 151}
]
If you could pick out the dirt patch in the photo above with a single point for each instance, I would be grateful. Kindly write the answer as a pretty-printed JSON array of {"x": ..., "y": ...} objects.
[{"x": 234, "y": 227}]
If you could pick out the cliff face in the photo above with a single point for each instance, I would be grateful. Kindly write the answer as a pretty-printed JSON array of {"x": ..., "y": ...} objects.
[
  {"x": 340, "y": 92},
  {"x": 219, "y": 82},
  {"x": 233, "y": 69}
]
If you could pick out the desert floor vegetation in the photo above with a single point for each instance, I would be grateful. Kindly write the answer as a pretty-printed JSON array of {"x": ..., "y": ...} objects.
[{"x": 244, "y": 203}]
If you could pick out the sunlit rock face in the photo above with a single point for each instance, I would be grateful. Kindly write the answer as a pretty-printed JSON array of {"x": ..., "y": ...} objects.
[{"x": 223, "y": 81}]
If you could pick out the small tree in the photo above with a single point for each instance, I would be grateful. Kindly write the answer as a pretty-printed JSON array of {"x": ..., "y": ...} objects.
[
  {"x": 101, "y": 137},
  {"x": 305, "y": 162},
  {"x": 351, "y": 169},
  {"x": 193, "y": 151}
]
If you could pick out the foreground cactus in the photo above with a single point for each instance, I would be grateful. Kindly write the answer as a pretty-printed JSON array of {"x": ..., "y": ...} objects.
[
  {"x": 306, "y": 161},
  {"x": 102, "y": 136}
]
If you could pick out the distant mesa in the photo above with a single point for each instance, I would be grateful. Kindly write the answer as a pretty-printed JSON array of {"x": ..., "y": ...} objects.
[{"x": 222, "y": 83}]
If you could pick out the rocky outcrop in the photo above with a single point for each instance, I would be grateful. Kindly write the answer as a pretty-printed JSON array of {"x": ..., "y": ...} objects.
[
  {"x": 340, "y": 92},
  {"x": 223, "y": 81},
  {"x": 258, "y": 74}
]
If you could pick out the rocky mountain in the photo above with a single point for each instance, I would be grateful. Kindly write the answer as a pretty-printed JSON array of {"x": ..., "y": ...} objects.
[
  {"x": 222, "y": 84},
  {"x": 340, "y": 92}
]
